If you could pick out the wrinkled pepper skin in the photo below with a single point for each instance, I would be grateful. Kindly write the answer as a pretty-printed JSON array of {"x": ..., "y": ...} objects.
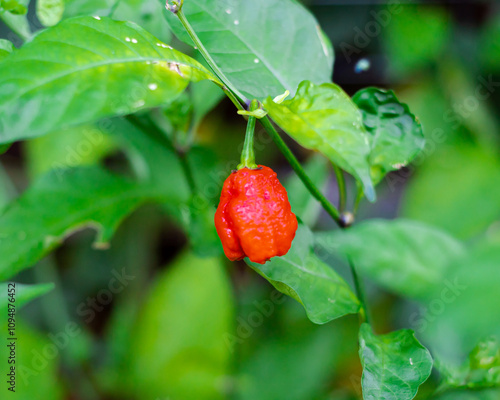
[{"x": 254, "y": 218}]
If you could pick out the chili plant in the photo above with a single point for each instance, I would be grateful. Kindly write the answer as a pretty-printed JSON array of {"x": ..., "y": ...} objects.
[{"x": 105, "y": 84}]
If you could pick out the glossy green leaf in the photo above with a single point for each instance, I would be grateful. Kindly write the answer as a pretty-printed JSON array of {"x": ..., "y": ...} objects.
[
  {"x": 453, "y": 190},
  {"x": 264, "y": 47},
  {"x": 67, "y": 148},
  {"x": 407, "y": 257},
  {"x": 324, "y": 118},
  {"x": 65, "y": 201},
  {"x": 85, "y": 69},
  {"x": 6, "y": 48},
  {"x": 461, "y": 394},
  {"x": 394, "y": 365},
  {"x": 303, "y": 204},
  {"x": 396, "y": 134},
  {"x": 301, "y": 275},
  {"x": 22, "y": 294},
  {"x": 49, "y": 12},
  {"x": 37, "y": 363},
  {"x": 177, "y": 348},
  {"x": 148, "y": 14},
  {"x": 468, "y": 312}
]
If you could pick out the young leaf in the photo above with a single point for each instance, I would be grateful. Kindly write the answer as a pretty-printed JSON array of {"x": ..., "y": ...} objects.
[
  {"x": 6, "y": 48},
  {"x": 264, "y": 47},
  {"x": 65, "y": 201},
  {"x": 23, "y": 293},
  {"x": 301, "y": 275},
  {"x": 49, "y": 12},
  {"x": 394, "y": 365},
  {"x": 407, "y": 257},
  {"x": 396, "y": 134},
  {"x": 178, "y": 344},
  {"x": 324, "y": 118},
  {"x": 85, "y": 69}
]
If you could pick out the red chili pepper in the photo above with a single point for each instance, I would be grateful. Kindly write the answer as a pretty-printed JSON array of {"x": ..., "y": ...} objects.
[{"x": 254, "y": 218}]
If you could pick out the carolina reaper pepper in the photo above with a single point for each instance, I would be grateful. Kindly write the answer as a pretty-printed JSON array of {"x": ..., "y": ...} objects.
[{"x": 254, "y": 218}]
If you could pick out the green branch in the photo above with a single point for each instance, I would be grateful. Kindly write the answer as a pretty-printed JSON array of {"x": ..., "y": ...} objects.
[{"x": 234, "y": 94}]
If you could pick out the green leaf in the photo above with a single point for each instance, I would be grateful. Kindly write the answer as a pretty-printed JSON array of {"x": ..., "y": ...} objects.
[
  {"x": 76, "y": 8},
  {"x": 301, "y": 275},
  {"x": 37, "y": 362},
  {"x": 13, "y": 6},
  {"x": 470, "y": 395},
  {"x": 67, "y": 148},
  {"x": 152, "y": 157},
  {"x": 66, "y": 201},
  {"x": 49, "y": 12},
  {"x": 196, "y": 216},
  {"x": 149, "y": 14},
  {"x": 303, "y": 204},
  {"x": 325, "y": 119},
  {"x": 18, "y": 23},
  {"x": 453, "y": 190},
  {"x": 489, "y": 44},
  {"x": 407, "y": 257},
  {"x": 205, "y": 96},
  {"x": 4, "y": 147},
  {"x": 481, "y": 370},
  {"x": 85, "y": 69},
  {"x": 416, "y": 36},
  {"x": 394, "y": 365},
  {"x": 178, "y": 348},
  {"x": 468, "y": 312},
  {"x": 6, "y": 48},
  {"x": 22, "y": 293},
  {"x": 264, "y": 375},
  {"x": 263, "y": 47},
  {"x": 396, "y": 134}
]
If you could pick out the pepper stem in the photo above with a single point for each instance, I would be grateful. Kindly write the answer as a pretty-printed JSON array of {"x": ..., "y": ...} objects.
[{"x": 248, "y": 155}]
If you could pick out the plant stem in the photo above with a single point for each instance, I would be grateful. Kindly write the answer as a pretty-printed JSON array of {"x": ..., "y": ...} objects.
[
  {"x": 248, "y": 154},
  {"x": 234, "y": 94},
  {"x": 313, "y": 189},
  {"x": 188, "y": 172},
  {"x": 342, "y": 189},
  {"x": 360, "y": 291}
]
